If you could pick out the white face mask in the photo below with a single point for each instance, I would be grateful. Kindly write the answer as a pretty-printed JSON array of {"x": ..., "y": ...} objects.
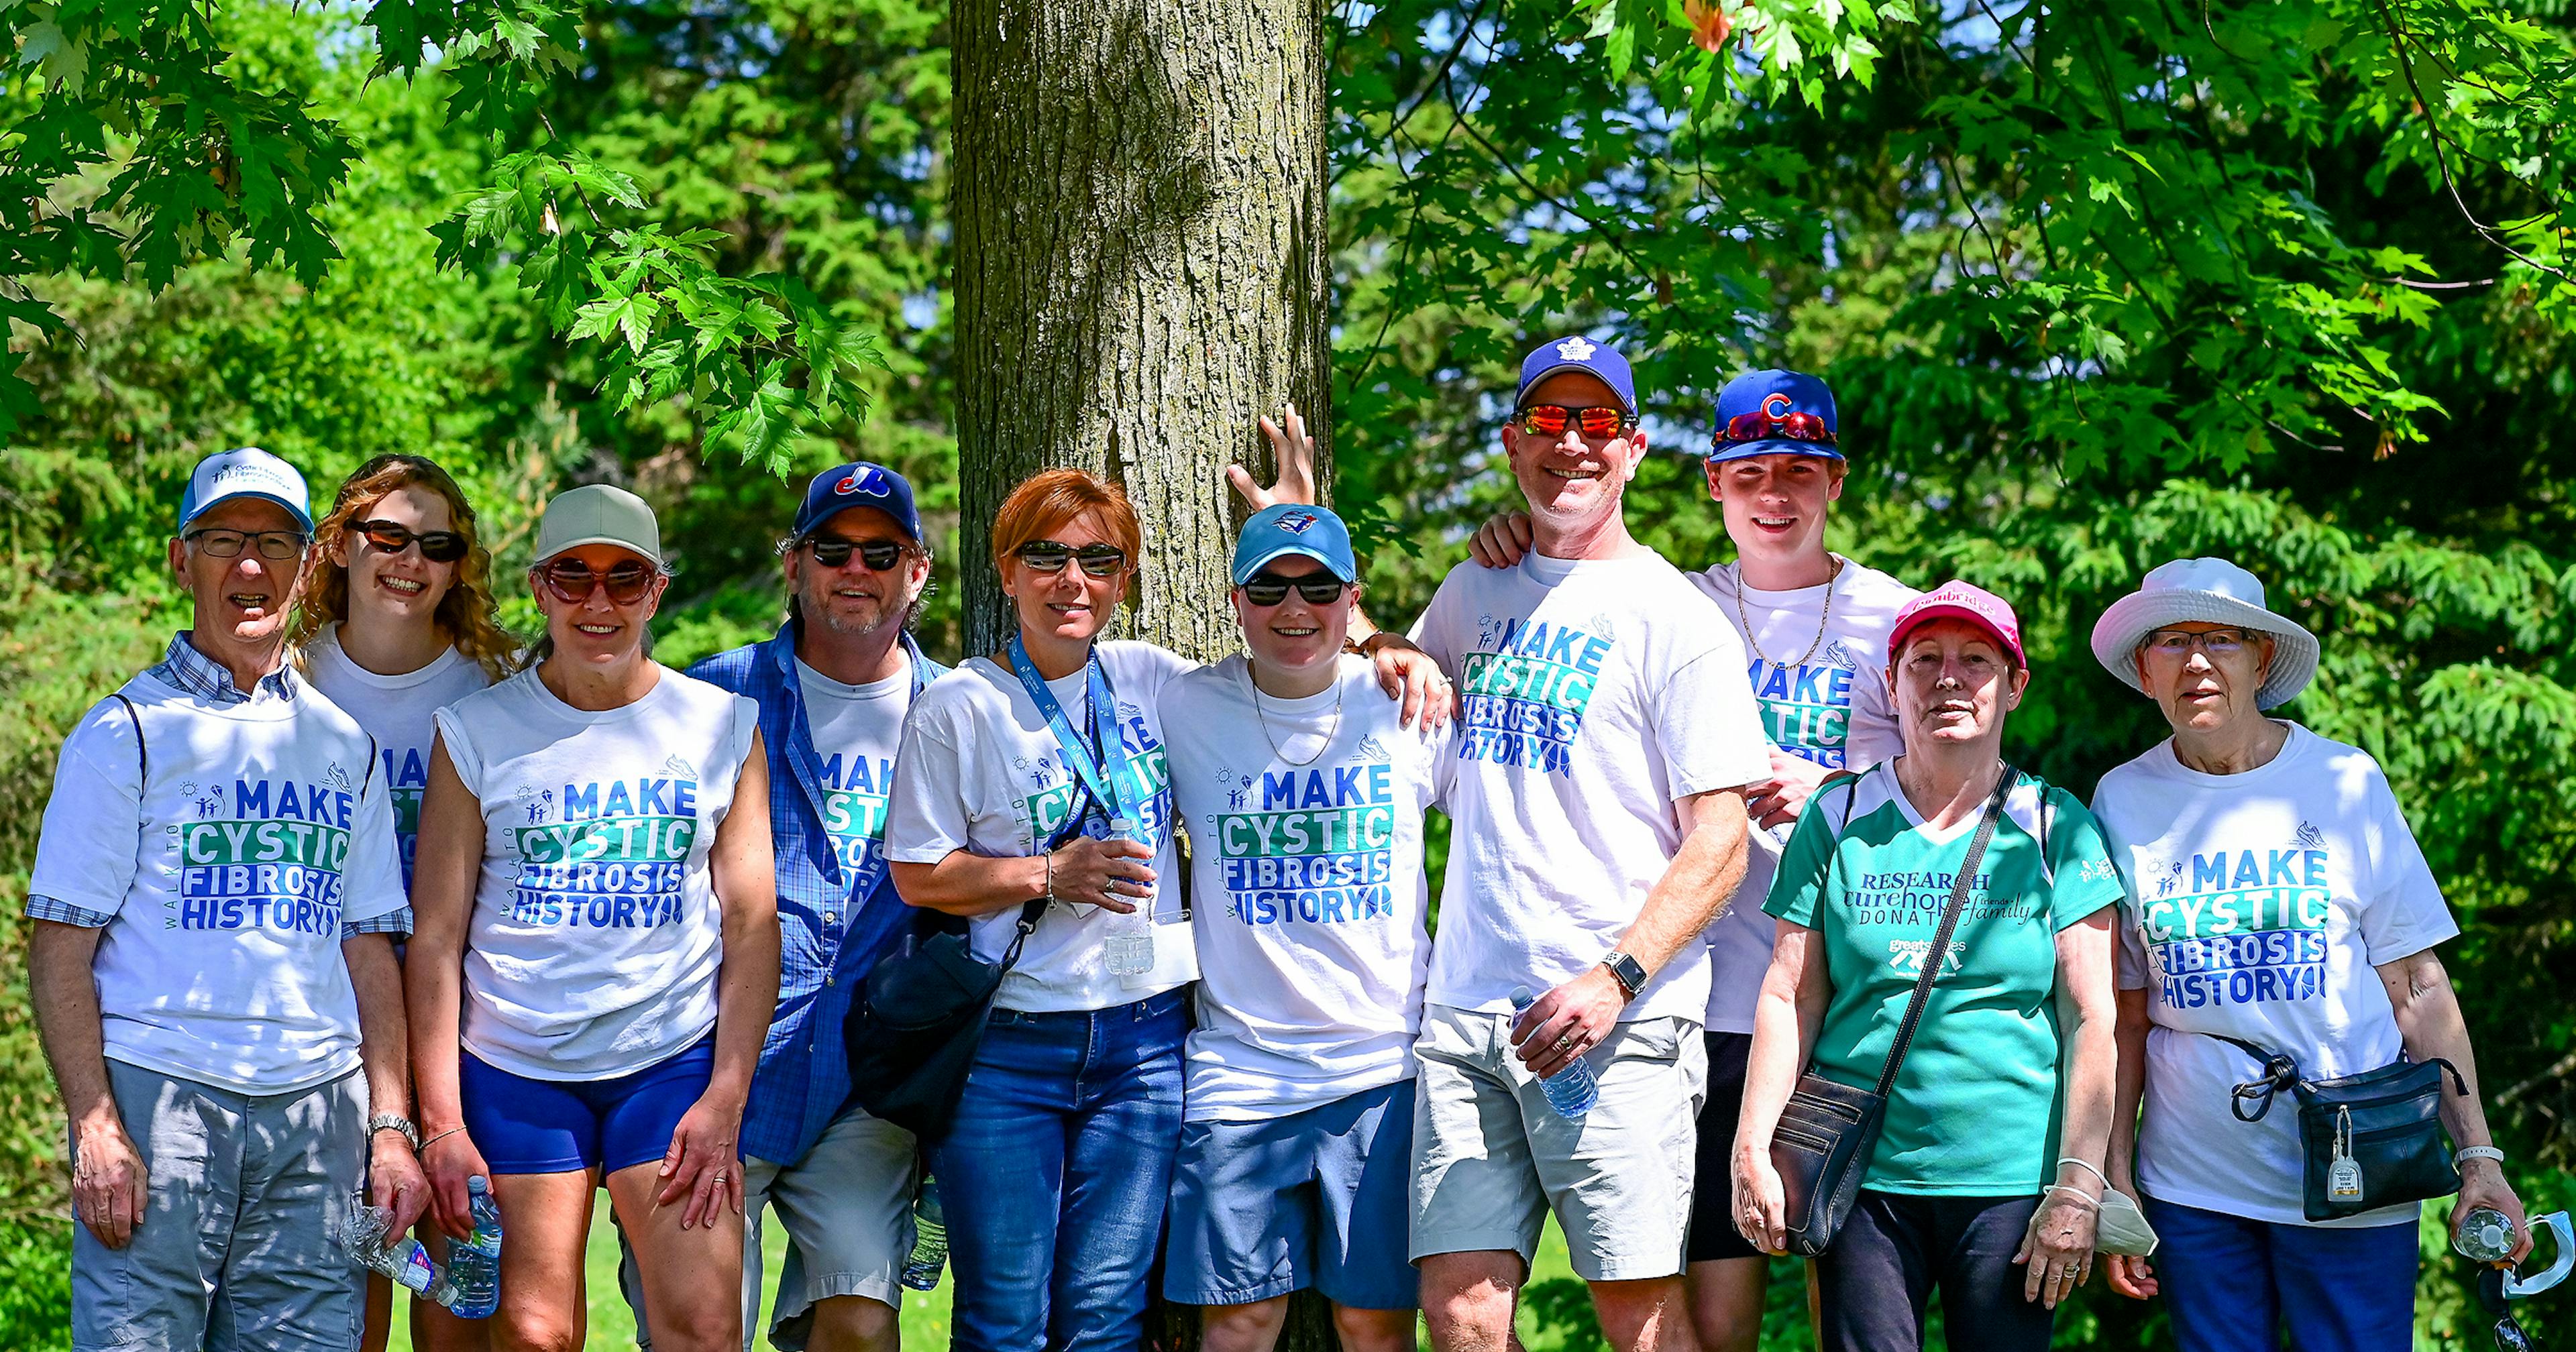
[{"x": 2118, "y": 1226}]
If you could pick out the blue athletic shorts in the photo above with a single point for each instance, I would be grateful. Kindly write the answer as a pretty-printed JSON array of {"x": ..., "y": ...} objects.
[
  {"x": 526, "y": 1126},
  {"x": 1319, "y": 1199}
]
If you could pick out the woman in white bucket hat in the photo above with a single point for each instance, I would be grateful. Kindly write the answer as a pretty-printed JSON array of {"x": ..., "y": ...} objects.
[{"x": 2276, "y": 900}]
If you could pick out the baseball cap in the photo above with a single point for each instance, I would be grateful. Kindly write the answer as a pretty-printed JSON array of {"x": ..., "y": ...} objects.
[
  {"x": 598, "y": 514},
  {"x": 858, "y": 484},
  {"x": 1956, "y": 600},
  {"x": 1776, "y": 395},
  {"x": 1294, "y": 528},
  {"x": 248, "y": 472},
  {"x": 1578, "y": 353}
]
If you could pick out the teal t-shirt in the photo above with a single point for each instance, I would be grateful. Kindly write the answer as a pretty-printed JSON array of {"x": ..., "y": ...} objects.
[{"x": 1974, "y": 1111}]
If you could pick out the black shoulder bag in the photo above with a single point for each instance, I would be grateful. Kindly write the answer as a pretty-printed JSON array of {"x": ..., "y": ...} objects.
[
  {"x": 2366, "y": 1141},
  {"x": 1828, "y": 1131},
  {"x": 912, "y": 1033}
]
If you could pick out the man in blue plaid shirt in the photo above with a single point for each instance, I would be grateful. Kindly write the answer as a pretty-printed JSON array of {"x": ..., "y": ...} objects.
[{"x": 833, "y": 687}]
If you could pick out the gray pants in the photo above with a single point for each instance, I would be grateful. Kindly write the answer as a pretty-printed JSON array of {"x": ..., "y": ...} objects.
[{"x": 238, "y": 1246}]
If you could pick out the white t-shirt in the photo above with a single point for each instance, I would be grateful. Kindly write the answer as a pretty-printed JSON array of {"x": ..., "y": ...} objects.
[
  {"x": 1833, "y": 707},
  {"x": 596, "y": 932},
  {"x": 1305, "y": 822},
  {"x": 856, "y": 731},
  {"x": 229, "y": 870},
  {"x": 2258, "y": 905},
  {"x": 980, "y": 771},
  {"x": 1593, "y": 695},
  {"x": 396, "y": 711}
]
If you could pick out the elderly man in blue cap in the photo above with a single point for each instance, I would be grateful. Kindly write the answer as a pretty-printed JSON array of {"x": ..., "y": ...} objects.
[{"x": 215, "y": 890}]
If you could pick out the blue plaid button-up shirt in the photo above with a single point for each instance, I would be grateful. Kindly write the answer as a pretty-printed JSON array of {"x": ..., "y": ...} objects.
[{"x": 827, "y": 938}]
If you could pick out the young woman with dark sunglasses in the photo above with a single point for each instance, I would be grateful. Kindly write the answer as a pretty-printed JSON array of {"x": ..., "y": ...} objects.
[
  {"x": 396, "y": 620},
  {"x": 596, "y": 957}
]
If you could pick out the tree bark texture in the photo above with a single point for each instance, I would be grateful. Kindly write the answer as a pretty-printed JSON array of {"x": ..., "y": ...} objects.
[{"x": 1139, "y": 199}]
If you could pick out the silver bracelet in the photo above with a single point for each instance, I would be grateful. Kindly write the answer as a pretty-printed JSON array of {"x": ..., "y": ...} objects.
[
  {"x": 1047, "y": 889},
  {"x": 2477, "y": 1152}
]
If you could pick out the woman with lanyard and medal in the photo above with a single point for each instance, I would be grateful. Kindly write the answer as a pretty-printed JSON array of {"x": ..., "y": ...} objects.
[{"x": 1036, "y": 773}]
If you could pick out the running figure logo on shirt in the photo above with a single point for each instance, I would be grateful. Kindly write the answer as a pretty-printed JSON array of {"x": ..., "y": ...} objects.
[
  {"x": 615, "y": 861},
  {"x": 273, "y": 865},
  {"x": 1319, "y": 850},
  {"x": 1523, "y": 692},
  {"x": 2239, "y": 927}
]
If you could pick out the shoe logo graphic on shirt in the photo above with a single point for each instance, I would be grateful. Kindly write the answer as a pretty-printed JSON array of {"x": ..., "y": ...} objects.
[
  {"x": 336, "y": 776},
  {"x": 2308, "y": 837},
  {"x": 1370, "y": 748},
  {"x": 678, "y": 767}
]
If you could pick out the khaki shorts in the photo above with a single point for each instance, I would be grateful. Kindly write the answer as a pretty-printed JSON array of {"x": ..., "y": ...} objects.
[{"x": 1491, "y": 1157}]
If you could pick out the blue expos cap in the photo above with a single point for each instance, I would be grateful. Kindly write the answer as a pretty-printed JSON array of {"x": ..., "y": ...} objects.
[{"x": 858, "y": 484}]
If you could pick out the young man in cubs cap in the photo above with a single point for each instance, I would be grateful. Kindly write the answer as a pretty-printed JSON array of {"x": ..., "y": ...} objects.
[
  {"x": 1304, "y": 796},
  {"x": 1815, "y": 626},
  {"x": 214, "y": 893}
]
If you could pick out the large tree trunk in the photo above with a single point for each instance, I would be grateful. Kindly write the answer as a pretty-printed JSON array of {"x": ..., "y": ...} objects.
[
  {"x": 1141, "y": 270},
  {"x": 1141, "y": 273}
]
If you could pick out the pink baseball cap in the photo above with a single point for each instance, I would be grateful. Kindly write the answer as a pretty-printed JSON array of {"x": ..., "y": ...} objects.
[{"x": 1956, "y": 600}]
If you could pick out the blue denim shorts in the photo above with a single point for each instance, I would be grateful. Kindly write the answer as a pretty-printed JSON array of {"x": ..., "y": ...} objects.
[
  {"x": 1318, "y": 1198},
  {"x": 526, "y": 1126}
]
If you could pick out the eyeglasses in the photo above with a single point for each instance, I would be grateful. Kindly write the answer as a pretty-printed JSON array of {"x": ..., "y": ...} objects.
[
  {"x": 1759, "y": 426},
  {"x": 879, "y": 555},
  {"x": 1269, "y": 589},
  {"x": 437, "y": 546},
  {"x": 572, "y": 582},
  {"x": 2218, "y": 643},
  {"x": 1549, "y": 420},
  {"x": 1050, "y": 556},
  {"x": 275, "y": 545}
]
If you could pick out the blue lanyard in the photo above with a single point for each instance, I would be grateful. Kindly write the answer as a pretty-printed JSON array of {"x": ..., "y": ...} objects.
[{"x": 1104, "y": 786}]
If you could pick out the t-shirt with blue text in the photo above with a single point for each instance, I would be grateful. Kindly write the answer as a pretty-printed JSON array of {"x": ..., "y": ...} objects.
[
  {"x": 1305, "y": 821},
  {"x": 2259, "y": 905},
  {"x": 1975, "y": 1108},
  {"x": 228, "y": 872},
  {"x": 1593, "y": 695},
  {"x": 596, "y": 933},
  {"x": 856, "y": 731},
  {"x": 1829, "y": 703},
  {"x": 398, "y": 712},
  {"x": 980, "y": 771}
]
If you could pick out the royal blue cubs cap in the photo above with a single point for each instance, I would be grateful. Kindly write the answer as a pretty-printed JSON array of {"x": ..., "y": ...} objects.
[
  {"x": 1578, "y": 353},
  {"x": 1776, "y": 400},
  {"x": 248, "y": 472},
  {"x": 1294, "y": 528},
  {"x": 858, "y": 484}
]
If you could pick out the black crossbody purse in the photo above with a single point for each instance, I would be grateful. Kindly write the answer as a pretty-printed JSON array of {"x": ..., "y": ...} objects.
[
  {"x": 1827, "y": 1131},
  {"x": 2365, "y": 1141}
]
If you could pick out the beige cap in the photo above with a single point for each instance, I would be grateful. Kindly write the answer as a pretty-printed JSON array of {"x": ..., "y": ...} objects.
[{"x": 598, "y": 514}]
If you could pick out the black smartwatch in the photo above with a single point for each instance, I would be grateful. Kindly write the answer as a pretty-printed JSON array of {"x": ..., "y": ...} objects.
[{"x": 1627, "y": 971}]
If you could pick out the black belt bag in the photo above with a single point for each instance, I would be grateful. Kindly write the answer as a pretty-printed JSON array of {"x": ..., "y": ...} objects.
[
  {"x": 2366, "y": 1141},
  {"x": 1828, "y": 1130}
]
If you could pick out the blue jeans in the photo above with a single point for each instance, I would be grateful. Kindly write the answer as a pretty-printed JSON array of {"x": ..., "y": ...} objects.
[
  {"x": 2230, "y": 1284},
  {"x": 1055, "y": 1172}
]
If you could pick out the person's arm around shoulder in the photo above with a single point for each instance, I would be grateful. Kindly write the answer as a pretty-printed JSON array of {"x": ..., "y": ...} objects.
[
  {"x": 1577, "y": 1016},
  {"x": 448, "y": 861},
  {"x": 704, "y": 1161}
]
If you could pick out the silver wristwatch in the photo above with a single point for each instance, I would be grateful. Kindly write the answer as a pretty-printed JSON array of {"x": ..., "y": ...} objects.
[{"x": 394, "y": 1122}]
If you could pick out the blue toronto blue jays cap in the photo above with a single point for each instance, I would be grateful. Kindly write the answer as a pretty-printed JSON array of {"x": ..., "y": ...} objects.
[
  {"x": 1294, "y": 528},
  {"x": 858, "y": 484},
  {"x": 1775, "y": 413},
  {"x": 245, "y": 473},
  {"x": 1579, "y": 353}
]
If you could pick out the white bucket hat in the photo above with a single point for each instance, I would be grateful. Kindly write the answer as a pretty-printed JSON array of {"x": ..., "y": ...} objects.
[{"x": 2205, "y": 591}]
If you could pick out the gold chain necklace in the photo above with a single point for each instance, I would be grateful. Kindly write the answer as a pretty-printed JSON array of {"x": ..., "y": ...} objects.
[{"x": 1833, "y": 571}]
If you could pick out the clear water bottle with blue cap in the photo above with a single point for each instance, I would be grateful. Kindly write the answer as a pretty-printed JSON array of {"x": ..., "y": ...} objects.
[
  {"x": 929, "y": 1239},
  {"x": 474, "y": 1263},
  {"x": 1571, "y": 1091},
  {"x": 365, "y": 1237},
  {"x": 1129, "y": 946}
]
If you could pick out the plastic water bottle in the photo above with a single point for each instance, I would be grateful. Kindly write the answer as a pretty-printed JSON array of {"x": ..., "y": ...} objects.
[
  {"x": 2485, "y": 1236},
  {"x": 1129, "y": 946},
  {"x": 929, "y": 1239},
  {"x": 475, "y": 1264},
  {"x": 1571, "y": 1091},
  {"x": 402, "y": 1261}
]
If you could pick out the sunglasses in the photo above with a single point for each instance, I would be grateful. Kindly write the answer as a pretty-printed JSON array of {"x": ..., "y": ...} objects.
[
  {"x": 1549, "y": 420},
  {"x": 1050, "y": 556},
  {"x": 437, "y": 546},
  {"x": 1269, "y": 589},
  {"x": 573, "y": 582},
  {"x": 879, "y": 555},
  {"x": 1759, "y": 426},
  {"x": 275, "y": 545}
]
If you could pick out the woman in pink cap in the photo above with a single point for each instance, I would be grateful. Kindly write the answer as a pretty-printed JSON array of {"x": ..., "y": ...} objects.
[{"x": 1944, "y": 861}]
